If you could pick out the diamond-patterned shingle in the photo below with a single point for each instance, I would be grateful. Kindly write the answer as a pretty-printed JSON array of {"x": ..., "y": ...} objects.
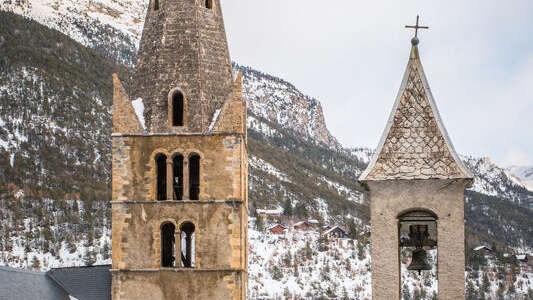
[{"x": 415, "y": 144}]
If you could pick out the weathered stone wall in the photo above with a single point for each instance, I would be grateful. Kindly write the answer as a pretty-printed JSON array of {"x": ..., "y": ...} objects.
[
  {"x": 219, "y": 236},
  {"x": 184, "y": 285},
  {"x": 222, "y": 164},
  {"x": 124, "y": 118},
  {"x": 389, "y": 199},
  {"x": 183, "y": 47}
]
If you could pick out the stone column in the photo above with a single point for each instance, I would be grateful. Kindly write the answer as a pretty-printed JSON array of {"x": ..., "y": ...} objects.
[
  {"x": 186, "y": 179},
  {"x": 177, "y": 248},
  {"x": 170, "y": 180}
]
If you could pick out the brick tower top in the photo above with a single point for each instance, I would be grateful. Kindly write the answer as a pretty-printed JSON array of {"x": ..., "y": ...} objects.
[{"x": 183, "y": 64}]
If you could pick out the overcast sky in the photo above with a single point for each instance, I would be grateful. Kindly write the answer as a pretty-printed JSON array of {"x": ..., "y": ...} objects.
[{"x": 351, "y": 55}]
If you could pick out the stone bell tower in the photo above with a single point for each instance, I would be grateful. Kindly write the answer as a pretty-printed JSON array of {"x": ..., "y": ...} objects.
[
  {"x": 179, "y": 207},
  {"x": 416, "y": 183}
]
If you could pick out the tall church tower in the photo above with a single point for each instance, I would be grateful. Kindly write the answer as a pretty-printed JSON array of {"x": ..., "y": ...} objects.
[
  {"x": 179, "y": 207},
  {"x": 416, "y": 183}
]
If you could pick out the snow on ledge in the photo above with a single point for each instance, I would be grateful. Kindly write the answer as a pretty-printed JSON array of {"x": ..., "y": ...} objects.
[
  {"x": 214, "y": 121},
  {"x": 138, "y": 106}
]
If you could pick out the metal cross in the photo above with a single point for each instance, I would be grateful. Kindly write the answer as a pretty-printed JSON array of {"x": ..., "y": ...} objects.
[{"x": 416, "y": 27}]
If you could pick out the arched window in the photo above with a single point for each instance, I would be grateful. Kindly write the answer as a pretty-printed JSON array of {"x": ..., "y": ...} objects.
[
  {"x": 168, "y": 245},
  {"x": 187, "y": 244},
  {"x": 161, "y": 176},
  {"x": 177, "y": 180},
  {"x": 209, "y": 4},
  {"x": 194, "y": 177},
  {"x": 156, "y": 5},
  {"x": 177, "y": 109}
]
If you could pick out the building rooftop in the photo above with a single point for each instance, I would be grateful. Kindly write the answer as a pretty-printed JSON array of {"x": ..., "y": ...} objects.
[
  {"x": 81, "y": 283},
  {"x": 415, "y": 144}
]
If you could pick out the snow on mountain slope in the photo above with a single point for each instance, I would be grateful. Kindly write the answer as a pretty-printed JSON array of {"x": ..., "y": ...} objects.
[
  {"x": 525, "y": 174},
  {"x": 280, "y": 102},
  {"x": 496, "y": 181},
  {"x": 301, "y": 265},
  {"x": 113, "y": 27}
]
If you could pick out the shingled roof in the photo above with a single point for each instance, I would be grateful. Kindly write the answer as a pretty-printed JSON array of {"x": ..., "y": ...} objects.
[
  {"x": 28, "y": 285},
  {"x": 84, "y": 283},
  {"x": 415, "y": 144}
]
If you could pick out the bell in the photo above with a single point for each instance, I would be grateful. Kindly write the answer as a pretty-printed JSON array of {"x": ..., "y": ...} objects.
[{"x": 419, "y": 261}]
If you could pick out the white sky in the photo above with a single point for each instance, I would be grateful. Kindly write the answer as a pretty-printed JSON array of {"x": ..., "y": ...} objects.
[{"x": 351, "y": 55}]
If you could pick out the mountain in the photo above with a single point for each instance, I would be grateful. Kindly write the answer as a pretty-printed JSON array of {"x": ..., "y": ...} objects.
[
  {"x": 113, "y": 27},
  {"x": 525, "y": 174},
  {"x": 55, "y": 117}
]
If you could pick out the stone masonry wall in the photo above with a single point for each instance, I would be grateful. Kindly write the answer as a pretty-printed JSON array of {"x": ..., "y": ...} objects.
[
  {"x": 183, "y": 48},
  {"x": 389, "y": 199},
  {"x": 218, "y": 233},
  {"x": 169, "y": 285},
  {"x": 221, "y": 164}
]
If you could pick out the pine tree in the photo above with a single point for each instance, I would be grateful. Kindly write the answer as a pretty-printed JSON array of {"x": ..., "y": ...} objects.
[
  {"x": 259, "y": 224},
  {"x": 406, "y": 295},
  {"x": 287, "y": 208},
  {"x": 485, "y": 284},
  {"x": 35, "y": 263}
]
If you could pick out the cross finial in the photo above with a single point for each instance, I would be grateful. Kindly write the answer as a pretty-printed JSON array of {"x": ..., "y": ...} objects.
[{"x": 416, "y": 27}]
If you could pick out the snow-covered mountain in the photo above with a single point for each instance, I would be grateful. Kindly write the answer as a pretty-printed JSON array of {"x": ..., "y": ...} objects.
[
  {"x": 114, "y": 27},
  {"x": 493, "y": 180},
  {"x": 525, "y": 174}
]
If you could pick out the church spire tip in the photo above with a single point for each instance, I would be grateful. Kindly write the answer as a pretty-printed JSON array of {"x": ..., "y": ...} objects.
[{"x": 415, "y": 41}]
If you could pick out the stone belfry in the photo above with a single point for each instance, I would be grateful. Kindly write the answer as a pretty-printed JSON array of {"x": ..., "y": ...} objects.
[
  {"x": 416, "y": 183},
  {"x": 180, "y": 162}
]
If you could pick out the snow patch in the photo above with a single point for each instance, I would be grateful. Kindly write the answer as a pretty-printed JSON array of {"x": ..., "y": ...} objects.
[
  {"x": 138, "y": 106},
  {"x": 214, "y": 121}
]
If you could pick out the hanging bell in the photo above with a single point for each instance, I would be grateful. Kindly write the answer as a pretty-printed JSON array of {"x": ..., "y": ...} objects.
[{"x": 419, "y": 261}]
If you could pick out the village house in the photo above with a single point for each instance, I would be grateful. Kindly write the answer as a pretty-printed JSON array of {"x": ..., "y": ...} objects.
[
  {"x": 270, "y": 214},
  {"x": 277, "y": 229},
  {"x": 306, "y": 225},
  {"x": 335, "y": 232},
  {"x": 483, "y": 250}
]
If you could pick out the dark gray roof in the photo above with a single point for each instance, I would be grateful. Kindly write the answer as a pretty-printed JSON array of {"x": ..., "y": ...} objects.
[
  {"x": 84, "y": 283},
  {"x": 18, "y": 284}
]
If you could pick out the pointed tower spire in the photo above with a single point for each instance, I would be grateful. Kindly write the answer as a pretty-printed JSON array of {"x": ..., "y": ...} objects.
[
  {"x": 183, "y": 55},
  {"x": 415, "y": 144}
]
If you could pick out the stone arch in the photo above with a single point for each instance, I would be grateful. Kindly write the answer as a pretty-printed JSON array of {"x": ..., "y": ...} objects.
[
  {"x": 168, "y": 244},
  {"x": 160, "y": 162},
  {"x": 177, "y": 108},
  {"x": 152, "y": 170},
  {"x": 155, "y": 5},
  {"x": 188, "y": 239},
  {"x": 195, "y": 162},
  {"x": 428, "y": 212},
  {"x": 178, "y": 161}
]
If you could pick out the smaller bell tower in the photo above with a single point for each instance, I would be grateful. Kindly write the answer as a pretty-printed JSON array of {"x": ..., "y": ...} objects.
[{"x": 416, "y": 183}]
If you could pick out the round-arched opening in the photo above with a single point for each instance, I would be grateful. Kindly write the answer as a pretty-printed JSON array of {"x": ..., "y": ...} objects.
[
  {"x": 187, "y": 244},
  {"x": 161, "y": 176},
  {"x": 168, "y": 245},
  {"x": 156, "y": 5},
  {"x": 209, "y": 4},
  {"x": 417, "y": 238},
  {"x": 177, "y": 178},
  {"x": 194, "y": 176},
  {"x": 178, "y": 106}
]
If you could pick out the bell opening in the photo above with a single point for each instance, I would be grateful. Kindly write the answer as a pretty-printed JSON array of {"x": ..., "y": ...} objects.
[{"x": 418, "y": 252}]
